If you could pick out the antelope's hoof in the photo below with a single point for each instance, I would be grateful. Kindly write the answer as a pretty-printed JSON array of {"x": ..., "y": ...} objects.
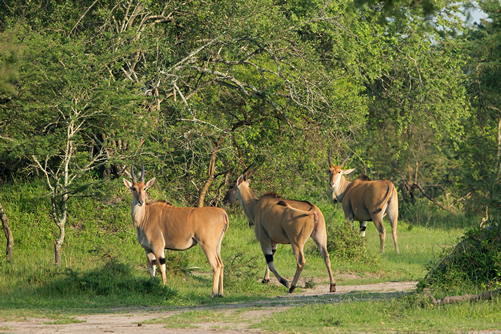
[
  {"x": 333, "y": 287},
  {"x": 284, "y": 282},
  {"x": 292, "y": 288},
  {"x": 265, "y": 280}
]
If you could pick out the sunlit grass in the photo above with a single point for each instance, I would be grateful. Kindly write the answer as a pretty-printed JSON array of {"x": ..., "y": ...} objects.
[{"x": 392, "y": 316}]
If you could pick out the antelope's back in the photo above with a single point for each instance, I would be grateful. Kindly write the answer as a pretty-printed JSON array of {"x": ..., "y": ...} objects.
[{"x": 371, "y": 194}]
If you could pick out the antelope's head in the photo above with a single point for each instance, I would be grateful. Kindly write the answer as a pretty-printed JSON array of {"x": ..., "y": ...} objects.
[
  {"x": 138, "y": 188},
  {"x": 233, "y": 192},
  {"x": 336, "y": 172}
]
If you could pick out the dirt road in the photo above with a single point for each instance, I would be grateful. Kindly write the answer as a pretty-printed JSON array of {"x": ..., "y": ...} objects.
[{"x": 132, "y": 320}]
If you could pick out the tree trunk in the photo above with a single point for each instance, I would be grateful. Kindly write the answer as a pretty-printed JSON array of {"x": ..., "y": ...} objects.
[
  {"x": 59, "y": 214},
  {"x": 8, "y": 235},
  {"x": 212, "y": 167},
  {"x": 498, "y": 172}
]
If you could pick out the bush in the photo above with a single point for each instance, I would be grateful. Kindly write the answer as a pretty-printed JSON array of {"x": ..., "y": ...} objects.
[
  {"x": 345, "y": 243},
  {"x": 474, "y": 264}
]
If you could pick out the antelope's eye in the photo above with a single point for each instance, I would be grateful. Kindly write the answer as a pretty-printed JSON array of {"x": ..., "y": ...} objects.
[{"x": 134, "y": 189}]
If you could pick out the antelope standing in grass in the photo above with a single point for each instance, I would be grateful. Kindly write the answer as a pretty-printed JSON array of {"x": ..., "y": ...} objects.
[
  {"x": 162, "y": 226},
  {"x": 365, "y": 200},
  {"x": 282, "y": 221}
]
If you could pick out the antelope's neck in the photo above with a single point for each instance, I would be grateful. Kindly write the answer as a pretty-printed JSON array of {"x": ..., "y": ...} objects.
[
  {"x": 138, "y": 213},
  {"x": 248, "y": 201},
  {"x": 340, "y": 188}
]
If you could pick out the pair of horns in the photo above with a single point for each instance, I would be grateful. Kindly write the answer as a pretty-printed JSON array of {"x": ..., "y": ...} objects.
[
  {"x": 342, "y": 163},
  {"x": 134, "y": 175},
  {"x": 248, "y": 174}
]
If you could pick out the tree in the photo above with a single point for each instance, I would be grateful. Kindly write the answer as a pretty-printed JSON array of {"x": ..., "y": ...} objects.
[
  {"x": 481, "y": 153},
  {"x": 65, "y": 102}
]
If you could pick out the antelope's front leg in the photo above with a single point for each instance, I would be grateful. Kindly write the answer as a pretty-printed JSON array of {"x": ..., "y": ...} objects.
[
  {"x": 160, "y": 255},
  {"x": 363, "y": 227},
  {"x": 266, "y": 278},
  {"x": 151, "y": 262},
  {"x": 268, "y": 254}
]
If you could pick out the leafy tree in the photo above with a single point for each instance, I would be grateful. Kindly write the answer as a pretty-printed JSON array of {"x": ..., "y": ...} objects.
[
  {"x": 418, "y": 108},
  {"x": 481, "y": 152},
  {"x": 65, "y": 102}
]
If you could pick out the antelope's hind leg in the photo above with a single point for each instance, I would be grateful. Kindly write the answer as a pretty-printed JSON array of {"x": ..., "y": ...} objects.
[
  {"x": 217, "y": 269},
  {"x": 297, "y": 249},
  {"x": 320, "y": 238},
  {"x": 378, "y": 222}
]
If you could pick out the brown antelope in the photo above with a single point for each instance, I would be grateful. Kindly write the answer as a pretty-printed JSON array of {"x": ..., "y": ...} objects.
[
  {"x": 162, "y": 226},
  {"x": 282, "y": 221},
  {"x": 365, "y": 200}
]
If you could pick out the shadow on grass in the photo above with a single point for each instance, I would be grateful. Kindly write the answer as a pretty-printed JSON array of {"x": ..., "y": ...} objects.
[{"x": 111, "y": 284}]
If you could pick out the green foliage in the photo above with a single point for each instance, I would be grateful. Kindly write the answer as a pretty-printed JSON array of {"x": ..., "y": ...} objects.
[
  {"x": 345, "y": 243},
  {"x": 474, "y": 264}
]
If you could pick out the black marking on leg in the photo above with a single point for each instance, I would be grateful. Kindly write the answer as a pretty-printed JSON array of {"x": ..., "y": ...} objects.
[
  {"x": 292, "y": 288},
  {"x": 161, "y": 260},
  {"x": 269, "y": 258},
  {"x": 363, "y": 228}
]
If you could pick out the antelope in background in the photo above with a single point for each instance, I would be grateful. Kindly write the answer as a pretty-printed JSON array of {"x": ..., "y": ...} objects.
[
  {"x": 281, "y": 221},
  {"x": 162, "y": 226},
  {"x": 365, "y": 200}
]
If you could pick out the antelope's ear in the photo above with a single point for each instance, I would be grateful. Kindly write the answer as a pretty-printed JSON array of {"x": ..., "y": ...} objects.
[
  {"x": 149, "y": 183},
  {"x": 240, "y": 179},
  {"x": 128, "y": 184},
  {"x": 348, "y": 171}
]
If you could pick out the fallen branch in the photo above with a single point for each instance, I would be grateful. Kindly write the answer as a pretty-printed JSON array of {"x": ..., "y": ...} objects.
[{"x": 465, "y": 298}]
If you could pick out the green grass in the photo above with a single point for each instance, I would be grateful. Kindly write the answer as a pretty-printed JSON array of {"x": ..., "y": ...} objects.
[
  {"x": 391, "y": 316},
  {"x": 104, "y": 268}
]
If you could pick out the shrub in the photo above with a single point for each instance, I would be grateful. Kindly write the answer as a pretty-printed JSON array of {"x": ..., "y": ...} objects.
[
  {"x": 344, "y": 242},
  {"x": 473, "y": 264}
]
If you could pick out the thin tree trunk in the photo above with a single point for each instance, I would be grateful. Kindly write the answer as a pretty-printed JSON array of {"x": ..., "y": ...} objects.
[
  {"x": 8, "y": 235},
  {"x": 498, "y": 172},
  {"x": 212, "y": 167},
  {"x": 59, "y": 214}
]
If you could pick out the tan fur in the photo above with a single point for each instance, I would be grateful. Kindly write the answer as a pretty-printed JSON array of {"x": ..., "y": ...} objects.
[
  {"x": 282, "y": 221},
  {"x": 365, "y": 200},
  {"x": 162, "y": 226}
]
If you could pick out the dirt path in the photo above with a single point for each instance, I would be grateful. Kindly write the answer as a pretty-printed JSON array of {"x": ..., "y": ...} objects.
[{"x": 133, "y": 320}]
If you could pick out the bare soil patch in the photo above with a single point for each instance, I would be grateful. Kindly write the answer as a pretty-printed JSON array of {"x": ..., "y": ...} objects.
[{"x": 133, "y": 320}]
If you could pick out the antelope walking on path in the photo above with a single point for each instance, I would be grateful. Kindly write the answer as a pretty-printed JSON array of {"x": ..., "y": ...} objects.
[
  {"x": 162, "y": 226},
  {"x": 365, "y": 200},
  {"x": 282, "y": 221}
]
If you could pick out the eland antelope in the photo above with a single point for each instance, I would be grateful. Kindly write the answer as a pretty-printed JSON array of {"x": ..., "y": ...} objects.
[
  {"x": 365, "y": 200},
  {"x": 281, "y": 221},
  {"x": 162, "y": 226}
]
